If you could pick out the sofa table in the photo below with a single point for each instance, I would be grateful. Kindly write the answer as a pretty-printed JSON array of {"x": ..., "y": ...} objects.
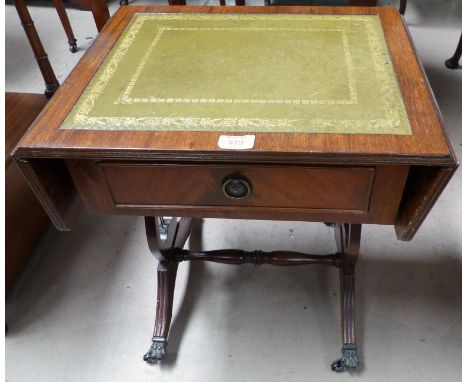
[{"x": 282, "y": 113}]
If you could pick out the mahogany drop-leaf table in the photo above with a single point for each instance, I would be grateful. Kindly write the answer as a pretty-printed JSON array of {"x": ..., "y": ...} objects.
[{"x": 279, "y": 113}]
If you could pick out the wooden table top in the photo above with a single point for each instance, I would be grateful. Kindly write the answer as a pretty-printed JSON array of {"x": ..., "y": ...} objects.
[{"x": 391, "y": 127}]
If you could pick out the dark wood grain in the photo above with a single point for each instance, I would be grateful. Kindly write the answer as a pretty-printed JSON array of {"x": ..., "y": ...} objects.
[
  {"x": 25, "y": 220},
  {"x": 40, "y": 55},
  {"x": 26, "y": 223},
  {"x": 62, "y": 13},
  {"x": 100, "y": 12},
  {"x": 21, "y": 109},
  {"x": 81, "y": 4},
  {"x": 377, "y": 190},
  {"x": 424, "y": 186},
  {"x": 237, "y": 257},
  {"x": 272, "y": 186},
  {"x": 348, "y": 240},
  {"x": 169, "y": 252},
  {"x": 51, "y": 183},
  {"x": 167, "y": 272},
  {"x": 393, "y": 155},
  {"x": 178, "y": 230},
  {"x": 348, "y": 179},
  {"x": 427, "y": 145},
  {"x": 176, "y": 235},
  {"x": 99, "y": 9}
]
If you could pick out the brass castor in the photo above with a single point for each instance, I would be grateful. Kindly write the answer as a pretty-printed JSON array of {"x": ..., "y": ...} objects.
[
  {"x": 349, "y": 360},
  {"x": 72, "y": 46},
  {"x": 157, "y": 352}
]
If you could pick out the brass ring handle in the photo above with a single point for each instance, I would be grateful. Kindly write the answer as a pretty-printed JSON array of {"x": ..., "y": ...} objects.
[{"x": 236, "y": 187}]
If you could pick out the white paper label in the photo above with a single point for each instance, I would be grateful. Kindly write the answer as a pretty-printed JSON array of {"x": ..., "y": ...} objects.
[{"x": 236, "y": 142}]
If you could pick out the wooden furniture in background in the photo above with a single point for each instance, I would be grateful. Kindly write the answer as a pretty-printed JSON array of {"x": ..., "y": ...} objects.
[
  {"x": 99, "y": 8},
  {"x": 25, "y": 220},
  {"x": 40, "y": 55},
  {"x": 353, "y": 3},
  {"x": 347, "y": 179},
  {"x": 62, "y": 13},
  {"x": 101, "y": 16},
  {"x": 402, "y": 9},
  {"x": 182, "y": 2},
  {"x": 100, "y": 11},
  {"x": 358, "y": 3},
  {"x": 454, "y": 61}
]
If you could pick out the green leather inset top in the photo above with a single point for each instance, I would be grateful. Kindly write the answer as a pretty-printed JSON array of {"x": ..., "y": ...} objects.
[{"x": 246, "y": 73}]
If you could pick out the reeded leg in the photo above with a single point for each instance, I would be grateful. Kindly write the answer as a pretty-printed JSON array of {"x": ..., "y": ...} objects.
[
  {"x": 349, "y": 359},
  {"x": 348, "y": 240},
  {"x": 164, "y": 234},
  {"x": 167, "y": 272}
]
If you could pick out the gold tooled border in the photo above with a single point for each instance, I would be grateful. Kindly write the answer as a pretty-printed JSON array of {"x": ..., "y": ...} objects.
[{"x": 380, "y": 56}]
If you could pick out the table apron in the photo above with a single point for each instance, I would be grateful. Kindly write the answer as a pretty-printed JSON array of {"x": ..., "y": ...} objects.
[{"x": 354, "y": 194}]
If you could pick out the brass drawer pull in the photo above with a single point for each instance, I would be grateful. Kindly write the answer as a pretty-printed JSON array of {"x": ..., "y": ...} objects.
[{"x": 236, "y": 187}]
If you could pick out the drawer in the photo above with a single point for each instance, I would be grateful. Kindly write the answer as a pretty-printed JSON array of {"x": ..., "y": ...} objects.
[
  {"x": 240, "y": 190},
  {"x": 253, "y": 186}
]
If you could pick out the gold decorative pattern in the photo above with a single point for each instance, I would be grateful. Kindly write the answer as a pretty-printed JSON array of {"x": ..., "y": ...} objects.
[
  {"x": 125, "y": 96},
  {"x": 110, "y": 68},
  {"x": 187, "y": 123},
  {"x": 394, "y": 120}
]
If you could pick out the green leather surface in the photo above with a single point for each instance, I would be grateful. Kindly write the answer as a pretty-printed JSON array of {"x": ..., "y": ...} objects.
[{"x": 246, "y": 73}]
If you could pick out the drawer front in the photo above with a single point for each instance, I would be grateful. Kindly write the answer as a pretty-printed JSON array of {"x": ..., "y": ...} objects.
[
  {"x": 219, "y": 185},
  {"x": 352, "y": 194}
]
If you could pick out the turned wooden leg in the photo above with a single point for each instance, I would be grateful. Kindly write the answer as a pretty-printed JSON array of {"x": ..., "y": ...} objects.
[
  {"x": 348, "y": 237},
  {"x": 62, "y": 13},
  {"x": 38, "y": 49},
  {"x": 163, "y": 235},
  {"x": 454, "y": 61}
]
